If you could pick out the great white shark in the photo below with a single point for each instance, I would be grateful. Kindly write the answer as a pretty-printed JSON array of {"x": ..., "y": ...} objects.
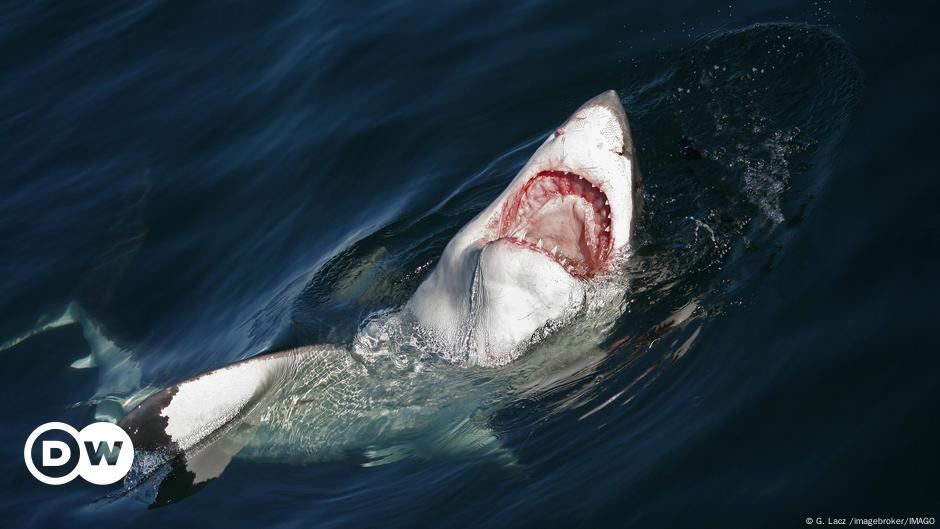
[{"x": 513, "y": 302}]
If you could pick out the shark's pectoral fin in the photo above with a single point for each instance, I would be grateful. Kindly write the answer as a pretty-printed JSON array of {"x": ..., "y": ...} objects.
[
  {"x": 481, "y": 440},
  {"x": 195, "y": 427},
  {"x": 191, "y": 471},
  {"x": 467, "y": 440},
  {"x": 186, "y": 416},
  {"x": 473, "y": 438}
]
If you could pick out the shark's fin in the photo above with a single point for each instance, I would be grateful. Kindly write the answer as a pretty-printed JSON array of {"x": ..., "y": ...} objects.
[
  {"x": 185, "y": 416},
  {"x": 84, "y": 362},
  {"x": 476, "y": 438},
  {"x": 198, "y": 425},
  {"x": 44, "y": 323},
  {"x": 471, "y": 438},
  {"x": 119, "y": 372},
  {"x": 389, "y": 454},
  {"x": 192, "y": 470},
  {"x": 104, "y": 353}
]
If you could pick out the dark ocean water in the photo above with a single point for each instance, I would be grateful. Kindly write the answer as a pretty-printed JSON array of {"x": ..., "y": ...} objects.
[{"x": 211, "y": 181}]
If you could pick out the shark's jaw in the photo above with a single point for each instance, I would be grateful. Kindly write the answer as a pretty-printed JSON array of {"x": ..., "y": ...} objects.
[
  {"x": 564, "y": 216},
  {"x": 527, "y": 263}
]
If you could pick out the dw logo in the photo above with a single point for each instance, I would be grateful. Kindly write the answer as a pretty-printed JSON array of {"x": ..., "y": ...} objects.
[{"x": 105, "y": 453}]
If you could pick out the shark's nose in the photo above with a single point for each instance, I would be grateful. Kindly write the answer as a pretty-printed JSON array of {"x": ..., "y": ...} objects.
[{"x": 610, "y": 100}]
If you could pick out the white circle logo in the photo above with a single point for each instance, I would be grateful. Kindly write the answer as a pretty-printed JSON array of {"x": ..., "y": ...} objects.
[{"x": 105, "y": 453}]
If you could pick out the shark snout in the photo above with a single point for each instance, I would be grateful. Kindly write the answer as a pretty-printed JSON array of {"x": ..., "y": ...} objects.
[
  {"x": 603, "y": 120},
  {"x": 610, "y": 103}
]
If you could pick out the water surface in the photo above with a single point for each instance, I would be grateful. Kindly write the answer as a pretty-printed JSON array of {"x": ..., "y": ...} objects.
[{"x": 214, "y": 181}]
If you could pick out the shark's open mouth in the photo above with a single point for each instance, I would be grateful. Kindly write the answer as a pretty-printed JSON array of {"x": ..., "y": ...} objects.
[{"x": 564, "y": 216}]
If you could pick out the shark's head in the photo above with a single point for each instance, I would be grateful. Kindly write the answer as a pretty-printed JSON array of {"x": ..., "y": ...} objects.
[{"x": 524, "y": 262}]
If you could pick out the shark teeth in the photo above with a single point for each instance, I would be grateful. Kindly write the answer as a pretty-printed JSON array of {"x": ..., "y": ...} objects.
[{"x": 538, "y": 208}]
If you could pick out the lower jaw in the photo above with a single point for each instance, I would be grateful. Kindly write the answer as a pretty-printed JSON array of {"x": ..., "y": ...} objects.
[{"x": 574, "y": 268}]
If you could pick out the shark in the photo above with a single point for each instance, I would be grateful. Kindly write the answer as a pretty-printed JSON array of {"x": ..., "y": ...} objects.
[{"x": 520, "y": 298}]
